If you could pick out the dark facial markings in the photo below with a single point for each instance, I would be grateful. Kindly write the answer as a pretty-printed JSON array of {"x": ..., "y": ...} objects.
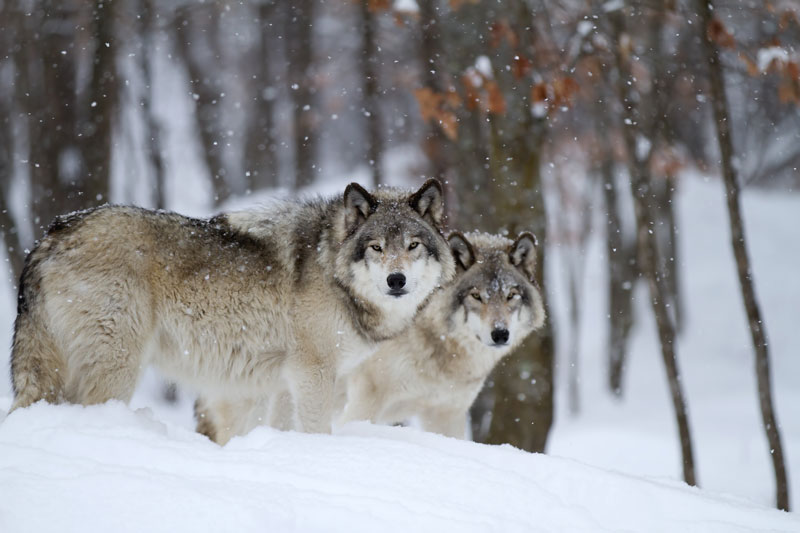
[
  {"x": 489, "y": 273},
  {"x": 394, "y": 233}
]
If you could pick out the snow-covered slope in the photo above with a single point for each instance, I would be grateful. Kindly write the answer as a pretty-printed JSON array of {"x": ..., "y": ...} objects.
[{"x": 110, "y": 468}]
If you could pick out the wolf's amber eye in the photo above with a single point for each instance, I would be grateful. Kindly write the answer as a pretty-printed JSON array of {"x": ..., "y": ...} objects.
[
  {"x": 376, "y": 248},
  {"x": 476, "y": 295},
  {"x": 413, "y": 245},
  {"x": 512, "y": 295}
]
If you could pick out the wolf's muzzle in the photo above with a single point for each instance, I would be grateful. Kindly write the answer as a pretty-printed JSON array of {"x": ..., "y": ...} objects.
[
  {"x": 396, "y": 281},
  {"x": 500, "y": 336}
]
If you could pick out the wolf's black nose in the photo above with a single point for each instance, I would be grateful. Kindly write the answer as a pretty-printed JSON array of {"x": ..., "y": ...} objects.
[
  {"x": 396, "y": 281},
  {"x": 500, "y": 336}
]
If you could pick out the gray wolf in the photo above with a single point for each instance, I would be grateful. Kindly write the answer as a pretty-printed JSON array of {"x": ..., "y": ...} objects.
[
  {"x": 296, "y": 292},
  {"x": 436, "y": 369}
]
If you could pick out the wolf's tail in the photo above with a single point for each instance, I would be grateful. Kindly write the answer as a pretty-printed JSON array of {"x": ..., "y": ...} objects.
[{"x": 37, "y": 366}]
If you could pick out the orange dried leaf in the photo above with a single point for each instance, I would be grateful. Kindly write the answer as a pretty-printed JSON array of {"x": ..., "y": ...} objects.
[
  {"x": 719, "y": 34},
  {"x": 564, "y": 89},
  {"x": 496, "y": 103},
  {"x": 452, "y": 99},
  {"x": 752, "y": 68},
  {"x": 449, "y": 124},
  {"x": 455, "y": 5},
  {"x": 539, "y": 93},
  {"x": 786, "y": 20},
  {"x": 787, "y": 93},
  {"x": 432, "y": 108},
  {"x": 428, "y": 102},
  {"x": 521, "y": 66},
  {"x": 792, "y": 70},
  {"x": 375, "y": 6},
  {"x": 501, "y": 31},
  {"x": 472, "y": 95}
]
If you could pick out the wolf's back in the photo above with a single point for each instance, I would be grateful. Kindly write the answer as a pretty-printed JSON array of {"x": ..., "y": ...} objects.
[{"x": 94, "y": 286}]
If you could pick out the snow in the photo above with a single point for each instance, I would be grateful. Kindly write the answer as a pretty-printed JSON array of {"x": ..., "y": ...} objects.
[
  {"x": 769, "y": 54},
  {"x": 108, "y": 468},
  {"x": 585, "y": 27},
  {"x": 643, "y": 146},
  {"x": 406, "y": 6},
  {"x": 484, "y": 65},
  {"x": 613, "y": 5}
]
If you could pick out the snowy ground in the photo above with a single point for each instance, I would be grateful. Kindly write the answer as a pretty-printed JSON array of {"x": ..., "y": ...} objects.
[
  {"x": 108, "y": 468},
  {"x": 114, "y": 468}
]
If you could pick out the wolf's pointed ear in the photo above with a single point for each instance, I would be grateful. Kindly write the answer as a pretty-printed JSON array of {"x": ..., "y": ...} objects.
[
  {"x": 462, "y": 250},
  {"x": 358, "y": 205},
  {"x": 428, "y": 201},
  {"x": 523, "y": 254}
]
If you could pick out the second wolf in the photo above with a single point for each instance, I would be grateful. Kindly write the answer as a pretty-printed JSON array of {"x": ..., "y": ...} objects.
[
  {"x": 436, "y": 370},
  {"x": 297, "y": 292}
]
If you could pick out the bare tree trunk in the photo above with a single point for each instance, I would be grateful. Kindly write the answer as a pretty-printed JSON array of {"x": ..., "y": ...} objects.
[
  {"x": 68, "y": 140},
  {"x": 147, "y": 32},
  {"x": 648, "y": 253},
  {"x": 671, "y": 262},
  {"x": 100, "y": 105},
  {"x": 369, "y": 62},
  {"x": 45, "y": 90},
  {"x": 68, "y": 132},
  {"x": 661, "y": 135},
  {"x": 11, "y": 241},
  {"x": 574, "y": 202},
  {"x": 8, "y": 229},
  {"x": 621, "y": 269},
  {"x": 436, "y": 144},
  {"x": 758, "y": 330},
  {"x": 302, "y": 90},
  {"x": 260, "y": 158},
  {"x": 190, "y": 23}
]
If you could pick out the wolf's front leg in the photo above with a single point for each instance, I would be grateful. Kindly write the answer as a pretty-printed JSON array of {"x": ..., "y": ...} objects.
[
  {"x": 281, "y": 413},
  {"x": 311, "y": 380},
  {"x": 363, "y": 400}
]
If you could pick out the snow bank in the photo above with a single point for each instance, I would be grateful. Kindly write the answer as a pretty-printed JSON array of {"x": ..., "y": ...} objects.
[{"x": 110, "y": 468}]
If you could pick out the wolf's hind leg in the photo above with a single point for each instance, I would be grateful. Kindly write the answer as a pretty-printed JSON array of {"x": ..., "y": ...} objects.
[
  {"x": 107, "y": 371},
  {"x": 107, "y": 354},
  {"x": 37, "y": 366},
  {"x": 103, "y": 379}
]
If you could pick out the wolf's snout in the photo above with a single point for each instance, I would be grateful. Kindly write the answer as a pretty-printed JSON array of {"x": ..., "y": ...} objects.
[
  {"x": 500, "y": 336},
  {"x": 396, "y": 281}
]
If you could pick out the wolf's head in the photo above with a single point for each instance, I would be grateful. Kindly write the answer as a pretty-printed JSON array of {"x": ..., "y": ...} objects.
[
  {"x": 495, "y": 299},
  {"x": 393, "y": 254}
]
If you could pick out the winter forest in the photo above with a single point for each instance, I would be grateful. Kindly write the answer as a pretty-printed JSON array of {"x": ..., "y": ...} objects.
[{"x": 652, "y": 147}]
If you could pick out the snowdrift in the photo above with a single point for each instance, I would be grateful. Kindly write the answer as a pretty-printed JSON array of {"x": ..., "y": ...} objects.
[{"x": 109, "y": 468}]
